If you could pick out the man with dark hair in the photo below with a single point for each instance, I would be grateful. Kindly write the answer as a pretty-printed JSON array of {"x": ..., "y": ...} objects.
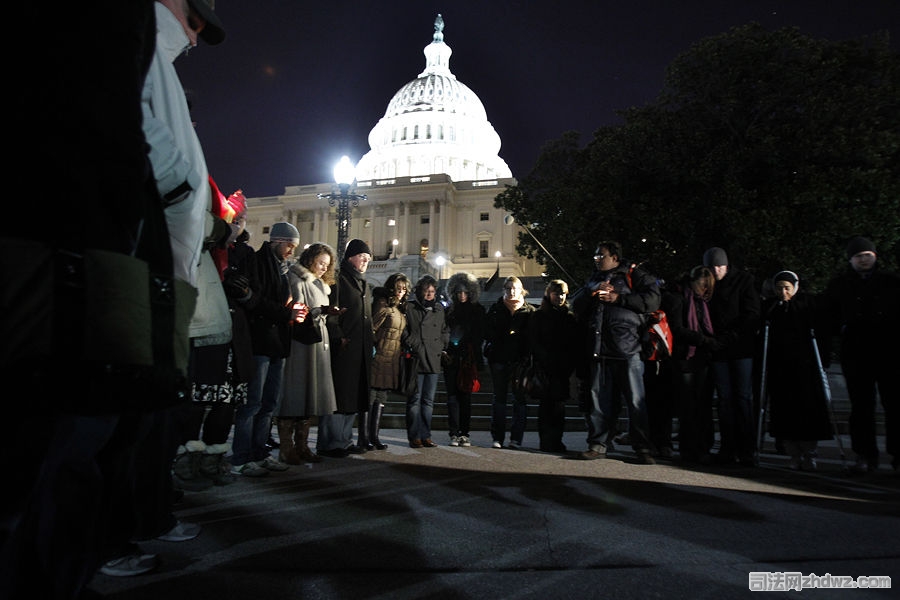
[
  {"x": 861, "y": 306},
  {"x": 611, "y": 307}
]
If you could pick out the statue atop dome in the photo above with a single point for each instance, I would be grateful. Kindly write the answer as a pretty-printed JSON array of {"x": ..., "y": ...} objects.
[{"x": 439, "y": 28}]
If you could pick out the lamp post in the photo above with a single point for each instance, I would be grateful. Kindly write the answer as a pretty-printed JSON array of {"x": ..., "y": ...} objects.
[
  {"x": 440, "y": 260},
  {"x": 394, "y": 243},
  {"x": 343, "y": 196},
  {"x": 498, "y": 254}
]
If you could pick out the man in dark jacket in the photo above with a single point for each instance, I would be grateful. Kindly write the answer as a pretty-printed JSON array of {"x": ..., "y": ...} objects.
[
  {"x": 352, "y": 342},
  {"x": 862, "y": 306},
  {"x": 270, "y": 310},
  {"x": 611, "y": 307},
  {"x": 735, "y": 313}
]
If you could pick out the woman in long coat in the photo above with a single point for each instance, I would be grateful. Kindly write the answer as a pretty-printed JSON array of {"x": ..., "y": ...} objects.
[
  {"x": 389, "y": 326},
  {"x": 308, "y": 389},
  {"x": 799, "y": 413}
]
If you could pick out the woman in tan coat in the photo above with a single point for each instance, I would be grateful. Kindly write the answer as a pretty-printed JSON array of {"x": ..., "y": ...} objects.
[{"x": 389, "y": 326}]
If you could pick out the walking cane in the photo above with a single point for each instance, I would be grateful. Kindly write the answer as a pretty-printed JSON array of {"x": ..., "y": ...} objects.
[
  {"x": 826, "y": 389},
  {"x": 763, "y": 396}
]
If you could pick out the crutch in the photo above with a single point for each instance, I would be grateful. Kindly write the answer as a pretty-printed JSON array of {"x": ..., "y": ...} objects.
[
  {"x": 826, "y": 389},
  {"x": 763, "y": 392}
]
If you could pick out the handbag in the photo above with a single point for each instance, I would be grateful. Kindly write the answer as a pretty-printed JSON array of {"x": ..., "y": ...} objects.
[
  {"x": 531, "y": 378},
  {"x": 467, "y": 376},
  {"x": 307, "y": 332},
  {"x": 408, "y": 381}
]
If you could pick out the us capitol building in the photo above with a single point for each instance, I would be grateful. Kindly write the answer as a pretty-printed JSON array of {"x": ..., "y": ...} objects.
[{"x": 430, "y": 180}]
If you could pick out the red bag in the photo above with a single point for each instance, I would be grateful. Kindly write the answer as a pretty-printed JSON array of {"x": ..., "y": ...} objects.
[{"x": 467, "y": 376}]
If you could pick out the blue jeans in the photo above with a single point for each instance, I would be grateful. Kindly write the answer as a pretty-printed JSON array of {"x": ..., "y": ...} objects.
[
  {"x": 420, "y": 407},
  {"x": 253, "y": 420},
  {"x": 734, "y": 387},
  {"x": 501, "y": 373},
  {"x": 612, "y": 380}
]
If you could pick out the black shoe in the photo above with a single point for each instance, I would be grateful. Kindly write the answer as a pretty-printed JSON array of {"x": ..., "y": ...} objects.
[
  {"x": 271, "y": 444},
  {"x": 354, "y": 449},
  {"x": 379, "y": 446},
  {"x": 370, "y": 447},
  {"x": 336, "y": 453}
]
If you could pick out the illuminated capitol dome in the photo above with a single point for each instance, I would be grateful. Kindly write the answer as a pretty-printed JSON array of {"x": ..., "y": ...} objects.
[
  {"x": 434, "y": 124},
  {"x": 425, "y": 191}
]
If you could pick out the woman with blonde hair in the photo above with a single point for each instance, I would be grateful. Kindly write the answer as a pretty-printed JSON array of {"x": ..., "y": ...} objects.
[{"x": 308, "y": 389}]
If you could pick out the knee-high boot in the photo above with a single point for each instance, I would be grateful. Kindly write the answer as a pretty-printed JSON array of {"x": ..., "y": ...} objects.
[
  {"x": 301, "y": 441},
  {"x": 287, "y": 453},
  {"x": 362, "y": 438},
  {"x": 375, "y": 410}
]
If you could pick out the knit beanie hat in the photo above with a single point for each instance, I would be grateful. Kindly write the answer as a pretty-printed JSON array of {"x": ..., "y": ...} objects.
[
  {"x": 284, "y": 232},
  {"x": 357, "y": 247},
  {"x": 859, "y": 244},
  {"x": 715, "y": 257}
]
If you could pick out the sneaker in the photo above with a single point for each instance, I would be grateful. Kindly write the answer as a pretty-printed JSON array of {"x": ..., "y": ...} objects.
[
  {"x": 496, "y": 444},
  {"x": 250, "y": 469},
  {"x": 593, "y": 454},
  {"x": 130, "y": 564},
  {"x": 864, "y": 465},
  {"x": 182, "y": 532},
  {"x": 644, "y": 458},
  {"x": 514, "y": 445},
  {"x": 454, "y": 440},
  {"x": 464, "y": 441},
  {"x": 272, "y": 465},
  {"x": 809, "y": 462}
]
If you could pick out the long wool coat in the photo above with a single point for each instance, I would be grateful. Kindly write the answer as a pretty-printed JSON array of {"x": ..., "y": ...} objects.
[
  {"x": 308, "y": 388},
  {"x": 351, "y": 364}
]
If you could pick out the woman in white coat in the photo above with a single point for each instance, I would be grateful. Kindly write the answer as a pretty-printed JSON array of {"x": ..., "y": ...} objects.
[{"x": 308, "y": 389}]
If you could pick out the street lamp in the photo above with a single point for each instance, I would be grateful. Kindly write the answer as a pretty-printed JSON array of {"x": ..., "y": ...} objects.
[
  {"x": 440, "y": 260},
  {"x": 343, "y": 196},
  {"x": 394, "y": 244},
  {"x": 498, "y": 254}
]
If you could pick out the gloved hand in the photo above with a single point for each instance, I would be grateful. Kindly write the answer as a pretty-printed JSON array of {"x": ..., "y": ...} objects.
[{"x": 237, "y": 286}]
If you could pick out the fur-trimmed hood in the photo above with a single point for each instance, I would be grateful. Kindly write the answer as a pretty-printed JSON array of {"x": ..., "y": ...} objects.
[{"x": 465, "y": 281}]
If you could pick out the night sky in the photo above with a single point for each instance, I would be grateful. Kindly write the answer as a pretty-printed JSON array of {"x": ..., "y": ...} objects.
[{"x": 296, "y": 84}]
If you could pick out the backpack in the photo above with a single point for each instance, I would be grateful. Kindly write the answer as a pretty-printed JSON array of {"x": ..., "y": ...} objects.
[{"x": 656, "y": 339}]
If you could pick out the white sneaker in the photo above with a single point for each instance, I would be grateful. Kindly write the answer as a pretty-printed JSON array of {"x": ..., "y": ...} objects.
[
  {"x": 496, "y": 445},
  {"x": 464, "y": 441},
  {"x": 250, "y": 469},
  {"x": 272, "y": 465},
  {"x": 454, "y": 440},
  {"x": 131, "y": 564},
  {"x": 514, "y": 445},
  {"x": 181, "y": 532}
]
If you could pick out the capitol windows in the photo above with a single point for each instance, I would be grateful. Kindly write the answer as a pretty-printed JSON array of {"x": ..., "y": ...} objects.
[
  {"x": 428, "y": 132},
  {"x": 416, "y": 132},
  {"x": 485, "y": 216},
  {"x": 483, "y": 249}
]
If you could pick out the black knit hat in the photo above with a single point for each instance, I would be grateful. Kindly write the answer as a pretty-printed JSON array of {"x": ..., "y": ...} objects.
[
  {"x": 357, "y": 247},
  {"x": 859, "y": 244},
  {"x": 715, "y": 257}
]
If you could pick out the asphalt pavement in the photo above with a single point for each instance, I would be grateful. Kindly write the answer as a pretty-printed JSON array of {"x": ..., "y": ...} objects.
[{"x": 482, "y": 523}]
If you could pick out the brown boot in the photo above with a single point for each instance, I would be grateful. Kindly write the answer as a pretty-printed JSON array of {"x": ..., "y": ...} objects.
[
  {"x": 301, "y": 441},
  {"x": 287, "y": 452}
]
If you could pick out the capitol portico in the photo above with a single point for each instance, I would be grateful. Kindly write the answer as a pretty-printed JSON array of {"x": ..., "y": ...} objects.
[{"x": 430, "y": 180}]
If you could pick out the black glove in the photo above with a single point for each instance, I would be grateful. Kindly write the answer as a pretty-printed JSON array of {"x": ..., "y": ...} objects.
[{"x": 237, "y": 286}]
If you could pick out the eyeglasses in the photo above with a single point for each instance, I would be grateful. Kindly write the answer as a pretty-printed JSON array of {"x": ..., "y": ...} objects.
[{"x": 600, "y": 257}]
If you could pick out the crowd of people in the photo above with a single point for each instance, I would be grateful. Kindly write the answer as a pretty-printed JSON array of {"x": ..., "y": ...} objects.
[{"x": 186, "y": 345}]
